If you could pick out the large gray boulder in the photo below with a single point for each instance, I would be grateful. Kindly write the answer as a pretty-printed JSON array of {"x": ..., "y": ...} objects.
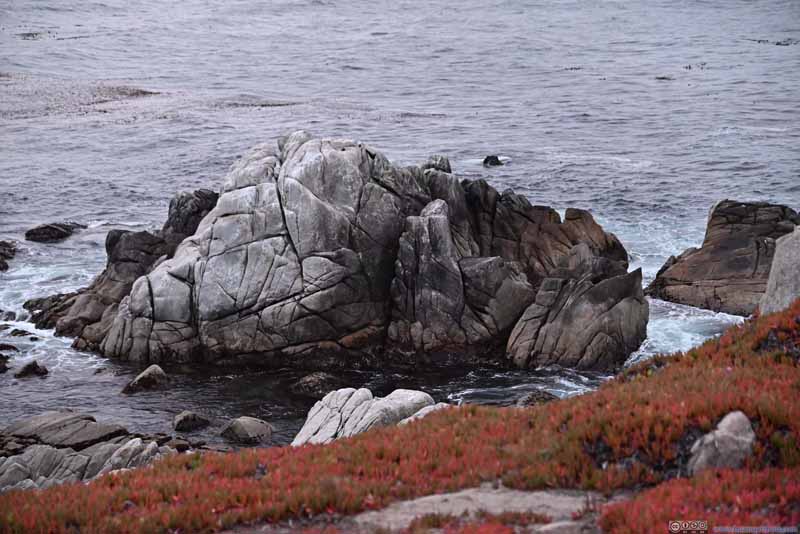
[
  {"x": 783, "y": 285},
  {"x": 320, "y": 252},
  {"x": 347, "y": 412},
  {"x": 726, "y": 446},
  {"x": 729, "y": 272},
  {"x": 87, "y": 314}
]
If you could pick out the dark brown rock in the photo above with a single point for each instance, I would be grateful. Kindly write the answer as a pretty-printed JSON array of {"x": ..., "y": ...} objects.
[
  {"x": 316, "y": 385},
  {"x": 534, "y": 398},
  {"x": 8, "y": 249},
  {"x": 52, "y": 233},
  {"x": 729, "y": 272},
  {"x": 31, "y": 369},
  {"x": 187, "y": 421}
]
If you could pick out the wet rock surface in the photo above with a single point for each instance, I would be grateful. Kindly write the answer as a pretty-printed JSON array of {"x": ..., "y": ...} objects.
[
  {"x": 247, "y": 431},
  {"x": 53, "y": 232},
  {"x": 729, "y": 272},
  {"x": 151, "y": 378},
  {"x": 31, "y": 369},
  {"x": 347, "y": 412},
  {"x": 8, "y": 249},
  {"x": 87, "y": 314},
  {"x": 187, "y": 421},
  {"x": 783, "y": 285},
  {"x": 315, "y": 385},
  {"x": 320, "y": 253}
]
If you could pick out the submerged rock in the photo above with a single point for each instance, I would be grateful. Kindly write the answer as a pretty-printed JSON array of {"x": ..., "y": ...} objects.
[
  {"x": 153, "y": 377},
  {"x": 248, "y": 431},
  {"x": 729, "y": 272},
  {"x": 315, "y": 385},
  {"x": 783, "y": 285},
  {"x": 727, "y": 446},
  {"x": 4, "y": 363},
  {"x": 319, "y": 247},
  {"x": 492, "y": 161},
  {"x": 87, "y": 314},
  {"x": 53, "y": 232},
  {"x": 187, "y": 421},
  {"x": 8, "y": 249},
  {"x": 31, "y": 369},
  {"x": 347, "y": 412}
]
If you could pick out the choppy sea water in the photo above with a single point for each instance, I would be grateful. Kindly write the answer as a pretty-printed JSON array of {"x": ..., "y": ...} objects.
[{"x": 644, "y": 112}]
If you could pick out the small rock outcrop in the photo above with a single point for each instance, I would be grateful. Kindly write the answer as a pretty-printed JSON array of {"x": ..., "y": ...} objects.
[
  {"x": 535, "y": 398},
  {"x": 588, "y": 316},
  {"x": 320, "y": 252},
  {"x": 53, "y": 232},
  {"x": 783, "y": 285},
  {"x": 87, "y": 314},
  {"x": 727, "y": 446},
  {"x": 247, "y": 431},
  {"x": 33, "y": 368},
  {"x": 492, "y": 161},
  {"x": 58, "y": 447},
  {"x": 347, "y": 412},
  {"x": 4, "y": 363},
  {"x": 153, "y": 377},
  {"x": 423, "y": 412},
  {"x": 315, "y": 385},
  {"x": 8, "y": 249},
  {"x": 729, "y": 272},
  {"x": 187, "y": 421}
]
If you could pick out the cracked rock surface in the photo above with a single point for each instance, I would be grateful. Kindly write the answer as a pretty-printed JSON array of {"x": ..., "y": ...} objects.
[
  {"x": 783, "y": 286},
  {"x": 321, "y": 253},
  {"x": 58, "y": 447},
  {"x": 347, "y": 412},
  {"x": 87, "y": 314},
  {"x": 729, "y": 272}
]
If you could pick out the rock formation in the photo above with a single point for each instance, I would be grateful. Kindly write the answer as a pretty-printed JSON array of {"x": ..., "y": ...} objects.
[
  {"x": 8, "y": 249},
  {"x": 53, "y": 232},
  {"x": 589, "y": 315},
  {"x": 153, "y": 377},
  {"x": 783, "y": 286},
  {"x": 347, "y": 412},
  {"x": 87, "y": 313},
  {"x": 58, "y": 447},
  {"x": 247, "y": 431},
  {"x": 729, "y": 272},
  {"x": 321, "y": 253}
]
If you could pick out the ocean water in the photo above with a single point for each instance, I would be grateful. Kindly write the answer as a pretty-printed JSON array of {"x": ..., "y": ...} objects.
[{"x": 644, "y": 112}]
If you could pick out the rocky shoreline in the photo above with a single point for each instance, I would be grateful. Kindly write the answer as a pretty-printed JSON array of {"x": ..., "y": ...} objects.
[{"x": 320, "y": 254}]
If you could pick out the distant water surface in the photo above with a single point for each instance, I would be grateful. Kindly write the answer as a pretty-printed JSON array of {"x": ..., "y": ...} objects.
[{"x": 644, "y": 112}]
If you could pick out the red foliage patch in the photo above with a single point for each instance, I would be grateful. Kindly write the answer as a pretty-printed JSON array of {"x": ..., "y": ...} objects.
[
  {"x": 630, "y": 433},
  {"x": 721, "y": 498}
]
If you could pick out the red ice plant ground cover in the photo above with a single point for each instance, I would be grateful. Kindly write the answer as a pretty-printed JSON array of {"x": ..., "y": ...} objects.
[{"x": 633, "y": 432}]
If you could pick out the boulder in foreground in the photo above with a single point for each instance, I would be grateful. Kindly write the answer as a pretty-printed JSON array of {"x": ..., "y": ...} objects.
[
  {"x": 33, "y": 368},
  {"x": 347, "y": 412},
  {"x": 729, "y": 272},
  {"x": 727, "y": 446}
]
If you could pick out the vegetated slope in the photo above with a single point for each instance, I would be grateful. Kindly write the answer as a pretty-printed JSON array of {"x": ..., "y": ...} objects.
[{"x": 634, "y": 432}]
